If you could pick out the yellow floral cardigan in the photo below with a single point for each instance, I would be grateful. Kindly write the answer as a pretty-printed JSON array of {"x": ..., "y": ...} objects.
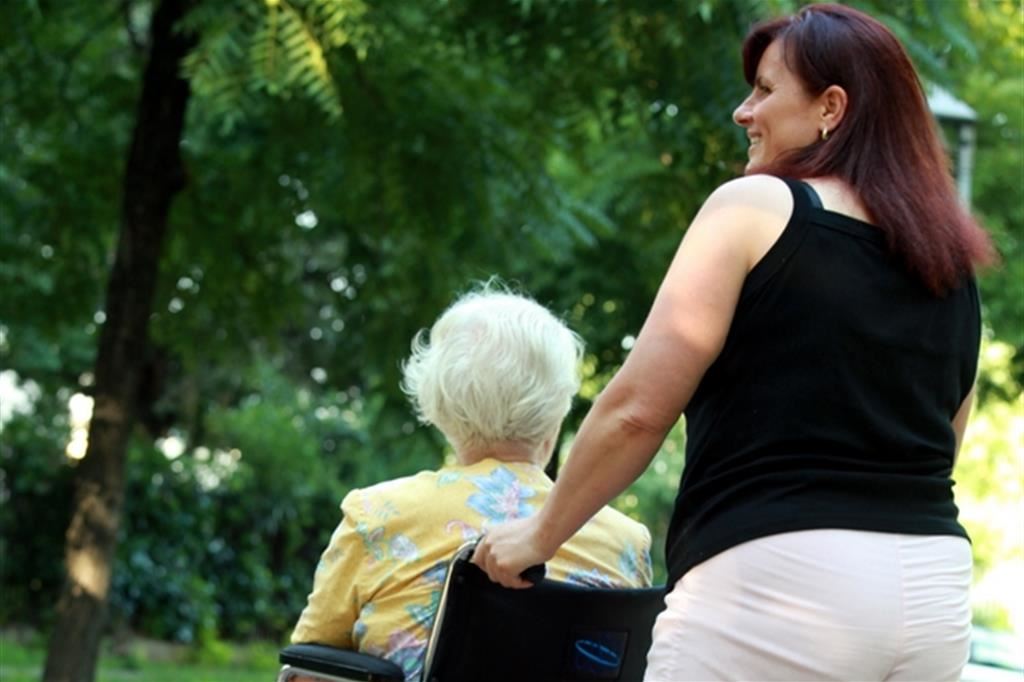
[{"x": 378, "y": 583}]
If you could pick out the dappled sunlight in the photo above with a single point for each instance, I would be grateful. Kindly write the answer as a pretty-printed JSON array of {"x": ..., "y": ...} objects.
[
  {"x": 79, "y": 416},
  {"x": 995, "y": 363},
  {"x": 1002, "y": 587},
  {"x": 172, "y": 446},
  {"x": 989, "y": 491},
  {"x": 16, "y": 396},
  {"x": 88, "y": 568},
  {"x": 307, "y": 220},
  {"x": 209, "y": 467},
  {"x": 88, "y": 571},
  {"x": 212, "y": 468}
]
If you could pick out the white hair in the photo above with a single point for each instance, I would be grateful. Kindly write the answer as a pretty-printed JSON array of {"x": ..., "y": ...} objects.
[{"x": 498, "y": 367}]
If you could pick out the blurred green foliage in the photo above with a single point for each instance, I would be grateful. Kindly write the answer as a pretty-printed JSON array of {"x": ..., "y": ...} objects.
[
  {"x": 211, "y": 547},
  {"x": 339, "y": 195}
]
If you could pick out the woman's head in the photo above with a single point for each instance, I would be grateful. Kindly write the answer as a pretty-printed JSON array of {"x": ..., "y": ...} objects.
[
  {"x": 497, "y": 368},
  {"x": 879, "y": 100},
  {"x": 780, "y": 115},
  {"x": 848, "y": 104}
]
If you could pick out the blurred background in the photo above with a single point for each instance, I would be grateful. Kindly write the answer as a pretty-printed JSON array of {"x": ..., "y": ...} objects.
[{"x": 221, "y": 222}]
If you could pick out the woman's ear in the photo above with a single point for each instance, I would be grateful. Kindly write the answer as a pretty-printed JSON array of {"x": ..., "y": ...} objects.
[{"x": 833, "y": 106}]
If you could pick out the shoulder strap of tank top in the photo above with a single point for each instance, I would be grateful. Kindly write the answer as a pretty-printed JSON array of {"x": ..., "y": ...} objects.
[
  {"x": 804, "y": 200},
  {"x": 808, "y": 191}
]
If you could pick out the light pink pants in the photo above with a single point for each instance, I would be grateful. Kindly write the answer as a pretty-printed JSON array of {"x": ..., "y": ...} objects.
[{"x": 820, "y": 605}]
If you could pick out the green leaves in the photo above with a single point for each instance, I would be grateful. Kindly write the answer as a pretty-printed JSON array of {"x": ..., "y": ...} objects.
[{"x": 279, "y": 48}]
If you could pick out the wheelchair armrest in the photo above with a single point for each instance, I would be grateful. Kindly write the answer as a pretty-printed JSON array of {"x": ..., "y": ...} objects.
[{"x": 340, "y": 663}]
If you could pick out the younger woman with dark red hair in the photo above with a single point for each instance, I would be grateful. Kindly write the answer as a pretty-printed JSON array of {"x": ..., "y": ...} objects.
[{"x": 819, "y": 328}]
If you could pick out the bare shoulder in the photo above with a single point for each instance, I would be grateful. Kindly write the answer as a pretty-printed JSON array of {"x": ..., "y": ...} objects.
[
  {"x": 750, "y": 213},
  {"x": 759, "y": 192}
]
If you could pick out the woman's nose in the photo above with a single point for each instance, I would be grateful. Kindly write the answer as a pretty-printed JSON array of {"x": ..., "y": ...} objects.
[{"x": 741, "y": 115}]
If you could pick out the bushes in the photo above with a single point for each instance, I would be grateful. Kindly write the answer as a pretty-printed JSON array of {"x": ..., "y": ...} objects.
[
  {"x": 195, "y": 562},
  {"x": 218, "y": 541},
  {"x": 198, "y": 563},
  {"x": 35, "y": 504}
]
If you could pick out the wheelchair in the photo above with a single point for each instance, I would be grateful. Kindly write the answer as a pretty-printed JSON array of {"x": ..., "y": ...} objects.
[{"x": 483, "y": 632}]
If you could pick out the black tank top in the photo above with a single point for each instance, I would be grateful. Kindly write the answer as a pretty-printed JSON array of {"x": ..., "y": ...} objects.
[{"x": 831, "y": 402}]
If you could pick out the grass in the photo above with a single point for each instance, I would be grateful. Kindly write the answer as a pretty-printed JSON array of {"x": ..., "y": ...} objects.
[{"x": 21, "y": 660}]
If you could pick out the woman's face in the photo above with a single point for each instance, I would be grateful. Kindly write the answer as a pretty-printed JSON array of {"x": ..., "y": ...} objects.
[{"x": 778, "y": 115}]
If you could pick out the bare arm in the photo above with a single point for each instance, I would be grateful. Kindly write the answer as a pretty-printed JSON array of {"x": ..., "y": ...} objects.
[
  {"x": 960, "y": 422},
  {"x": 684, "y": 332}
]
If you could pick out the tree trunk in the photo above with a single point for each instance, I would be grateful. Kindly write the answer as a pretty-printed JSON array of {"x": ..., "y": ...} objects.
[{"x": 153, "y": 176}]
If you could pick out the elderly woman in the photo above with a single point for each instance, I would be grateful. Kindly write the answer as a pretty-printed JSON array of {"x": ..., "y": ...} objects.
[{"x": 496, "y": 377}]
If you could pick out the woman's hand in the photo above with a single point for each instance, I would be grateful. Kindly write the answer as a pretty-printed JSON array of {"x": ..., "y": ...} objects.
[{"x": 509, "y": 549}]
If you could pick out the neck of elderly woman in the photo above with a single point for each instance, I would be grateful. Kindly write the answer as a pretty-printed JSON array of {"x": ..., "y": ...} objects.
[{"x": 505, "y": 451}]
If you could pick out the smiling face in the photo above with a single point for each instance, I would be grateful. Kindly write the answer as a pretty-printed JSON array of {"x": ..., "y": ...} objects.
[{"x": 778, "y": 115}]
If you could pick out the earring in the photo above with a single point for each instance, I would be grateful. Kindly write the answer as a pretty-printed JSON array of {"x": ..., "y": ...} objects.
[{"x": 824, "y": 133}]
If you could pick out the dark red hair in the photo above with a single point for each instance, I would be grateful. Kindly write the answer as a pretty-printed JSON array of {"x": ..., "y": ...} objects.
[{"x": 887, "y": 145}]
